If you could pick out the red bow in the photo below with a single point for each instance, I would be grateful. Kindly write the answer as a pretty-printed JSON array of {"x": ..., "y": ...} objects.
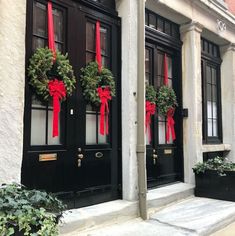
[
  {"x": 150, "y": 110},
  {"x": 170, "y": 125},
  {"x": 58, "y": 91},
  {"x": 105, "y": 96}
]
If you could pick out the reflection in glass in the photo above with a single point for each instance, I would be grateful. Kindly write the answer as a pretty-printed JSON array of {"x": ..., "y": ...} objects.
[
  {"x": 58, "y": 25},
  {"x": 90, "y": 36},
  {"x": 90, "y": 129},
  {"x": 51, "y": 140},
  {"x": 102, "y": 139},
  {"x": 38, "y": 124},
  {"x": 39, "y": 19}
]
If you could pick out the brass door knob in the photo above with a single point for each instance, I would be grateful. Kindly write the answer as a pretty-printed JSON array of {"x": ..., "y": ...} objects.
[
  {"x": 80, "y": 156},
  {"x": 155, "y": 156}
]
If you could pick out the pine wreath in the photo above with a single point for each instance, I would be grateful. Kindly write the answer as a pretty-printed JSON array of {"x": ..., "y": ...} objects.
[
  {"x": 166, "y": 99},
  {"x": 150, "y": 94},
  {"x": 42, "y": 69},
  {"x": 92, "y": 79}
]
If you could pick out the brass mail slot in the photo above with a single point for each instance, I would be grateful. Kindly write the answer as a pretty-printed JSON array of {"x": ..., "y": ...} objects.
[
  {"x": 168, "y": 151},
  {"x": 48, "y": 157}
]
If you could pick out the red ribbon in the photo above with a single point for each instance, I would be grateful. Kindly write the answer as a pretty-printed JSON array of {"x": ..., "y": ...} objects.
[
  {"x": 105, "y": 96},
  {"x": 98, "y": 49},
  {"x": 58, "y": 91},
  {"x": 165, "y": 70},
  {"x": 51, "y": 40},
  {"x": 170, "y": 125},
  {"x": 150, "y": 110}
]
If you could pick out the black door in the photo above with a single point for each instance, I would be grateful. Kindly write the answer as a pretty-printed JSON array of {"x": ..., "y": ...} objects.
[
  {"x": 164, "y": 159},
  {"x": 80, "y": 163}
]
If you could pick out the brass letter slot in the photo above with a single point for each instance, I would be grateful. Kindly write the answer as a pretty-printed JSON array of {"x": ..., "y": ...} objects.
[
  {"x": 48, "y": 157},
  {"x": 168, "y": 151}
]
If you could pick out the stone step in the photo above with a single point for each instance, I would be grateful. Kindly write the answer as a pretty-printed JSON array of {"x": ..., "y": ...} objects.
[{"x": 88, "y": 218}]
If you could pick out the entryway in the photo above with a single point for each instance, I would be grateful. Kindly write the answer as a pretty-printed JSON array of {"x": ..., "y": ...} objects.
[
  {"x": 164, "y": 158},
  {"x": 80, "y": 165}
]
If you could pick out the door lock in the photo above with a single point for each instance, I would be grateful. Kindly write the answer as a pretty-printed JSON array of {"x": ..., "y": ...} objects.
[{"x": 80, "y": 156}]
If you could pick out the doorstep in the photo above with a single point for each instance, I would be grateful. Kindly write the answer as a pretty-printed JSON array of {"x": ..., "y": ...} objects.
[{"x": 88, "y": 218}]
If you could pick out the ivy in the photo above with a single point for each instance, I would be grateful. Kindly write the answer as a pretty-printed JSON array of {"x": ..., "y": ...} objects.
[
  {"x": 219, "y": 164},
  {"x": 91, "y": 79},
  {"x": 42, "y": 69},
  {"x": 30, "y": 212}
]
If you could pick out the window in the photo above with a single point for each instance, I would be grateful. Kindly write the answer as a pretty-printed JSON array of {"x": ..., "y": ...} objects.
[
  {"x": 41, "y": 113},
  {"x": 161, "y": 24},
  {"x": 212, "y": 131},
  {"x": 92, "y": 114}
]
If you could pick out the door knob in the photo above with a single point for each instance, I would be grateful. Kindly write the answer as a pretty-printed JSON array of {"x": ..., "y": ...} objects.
[
  {"x": 80, "y": 156},
  {"x": 155, "y": 159},
  {"x": 155, "y": 156},
  {"x": 79, "y": 163}
]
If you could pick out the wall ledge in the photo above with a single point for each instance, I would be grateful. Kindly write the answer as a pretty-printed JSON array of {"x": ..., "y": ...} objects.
[{"x": 216, "y": 147}]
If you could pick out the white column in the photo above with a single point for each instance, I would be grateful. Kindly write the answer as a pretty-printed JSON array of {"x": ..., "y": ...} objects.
[
  {"x": 228, "y": 97},
  {"x": 127, "y": 10},
  {"x": 192, "y": 97},
  {"x": 12, "y": 81}
]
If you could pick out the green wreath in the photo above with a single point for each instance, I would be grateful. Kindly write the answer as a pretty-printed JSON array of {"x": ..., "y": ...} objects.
[
  {"x": 42, "y": 69},
  {"x": 150, "y": 94},
  {"x": 91, "y": 79},
  {"x": 166, "y": 99}
]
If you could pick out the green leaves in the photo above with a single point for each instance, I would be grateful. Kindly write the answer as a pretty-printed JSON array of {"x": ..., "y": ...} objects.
[
  {"x": 166, "y": 99},
  {"x": 42, "y": 69},
  {"x": 29, "y": 211},
  {"x": 150, "y": 94},
  {"x": 218, "y": 163},
  {"x": 91, "y": 79}
]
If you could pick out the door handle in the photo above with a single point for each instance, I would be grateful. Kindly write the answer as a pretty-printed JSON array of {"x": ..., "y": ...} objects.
[
  {"x": 99, "y": 155},
  {"x": 80, "y": 156}
]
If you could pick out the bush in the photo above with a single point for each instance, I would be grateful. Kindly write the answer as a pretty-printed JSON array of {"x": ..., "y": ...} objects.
[
  {"x": 30, "y": 212},
  {"x": 218, "y": 164}
]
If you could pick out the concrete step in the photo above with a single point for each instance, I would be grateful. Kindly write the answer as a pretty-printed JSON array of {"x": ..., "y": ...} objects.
[{"x": 88, "y": 218}]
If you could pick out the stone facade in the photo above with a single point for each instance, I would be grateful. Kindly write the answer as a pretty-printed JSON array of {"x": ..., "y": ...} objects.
[{"x": 196, "y": 19}]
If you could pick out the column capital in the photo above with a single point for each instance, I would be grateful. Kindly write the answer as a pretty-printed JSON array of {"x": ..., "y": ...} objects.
[
  {"x": 192, "y": 26},
  {"x": 227, "y": 48}
]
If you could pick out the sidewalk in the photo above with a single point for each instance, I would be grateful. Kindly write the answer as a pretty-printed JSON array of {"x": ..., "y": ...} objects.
[{"x": 194, "y": 217}]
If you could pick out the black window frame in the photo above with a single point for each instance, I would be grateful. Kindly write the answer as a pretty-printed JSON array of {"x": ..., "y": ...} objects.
[{"x": 210, "y": 56}]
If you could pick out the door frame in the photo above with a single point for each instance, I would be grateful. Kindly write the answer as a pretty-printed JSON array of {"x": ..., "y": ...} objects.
[
  {"x": 110, "y": 16},
  {"x": 160, "y": 39}
]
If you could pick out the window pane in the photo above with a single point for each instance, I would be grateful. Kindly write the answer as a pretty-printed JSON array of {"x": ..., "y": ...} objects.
[
  {"x": 147, "y": 60},
  {"x": 208, "y": 87},
  {"x": 214, "y": 93},
  {"x": 36, "y": 103},
  {"x": 214, "y": 109},
  {"x": 167, "y": 28},
  {"x": 90, "y": 57},
  {"x": 51, "y": 140},
  {"x": 169, "y": 62},
  {"x": 160, "y": 25},
  {"x": 209, "y": 109},
  {"x": 90, "y": 129},
  {"x": 103, "y": 41},
  {"x": 160, "y": 64},
  {"x": 38, "y": 43},
  {"x": 39, "y": 19},
  {"x": 215, "y": 128},
  {"x": 152, "y": 21},
  {"x": 161, "y": 130},
  {"x": 208, "y": 74},
  {"x": 102, "y": 139},
  {"x": 90, "y": 36},
  {"x": 38, "y": 127},
  {"x": 58, "y": 25},
  {"x": 209, "y": 127},
  {"x": 147, "y": 138},
  {"x": 213, "y": 71}
]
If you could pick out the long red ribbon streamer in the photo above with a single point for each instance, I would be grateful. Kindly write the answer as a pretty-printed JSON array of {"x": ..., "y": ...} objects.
[
  {"x": 105, "y": 96},
  {"x": 150, "y": 110},
  {"x": 170, "y": 125},
  {"x": 57, "y": 91},
  {"x": 51, "y": 40},
  {"x": 98, "y": 48},
  {"x": 165, "y": 70}
]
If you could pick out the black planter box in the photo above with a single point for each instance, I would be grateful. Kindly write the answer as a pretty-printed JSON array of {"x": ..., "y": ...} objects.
[{"x": 211, "y": 185}]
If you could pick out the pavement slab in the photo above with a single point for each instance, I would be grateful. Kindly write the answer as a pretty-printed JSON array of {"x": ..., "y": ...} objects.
[{"x": 200, "y": 215}]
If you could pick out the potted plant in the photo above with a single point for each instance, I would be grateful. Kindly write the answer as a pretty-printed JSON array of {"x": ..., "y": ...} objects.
[
  {"x": 28, "y": 212},
  {"x": 215, "y": 178}
]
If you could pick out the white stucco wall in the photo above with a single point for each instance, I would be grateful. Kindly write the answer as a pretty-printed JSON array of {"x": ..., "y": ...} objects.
[{"x": 12, "y": 71}]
